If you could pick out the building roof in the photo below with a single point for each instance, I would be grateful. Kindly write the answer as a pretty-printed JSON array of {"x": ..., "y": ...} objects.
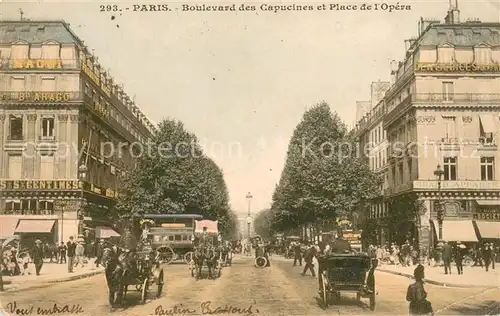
[
  {"x": 37, "y": 32},
  {"x": 464, "y": 34}
]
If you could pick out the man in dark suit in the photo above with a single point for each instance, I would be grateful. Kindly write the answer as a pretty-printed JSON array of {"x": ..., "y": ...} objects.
[
  {"x": 71, "y": 254},
  {"x": 309, "y": 254},
  {"x": 447, "y": 250},
  {"x": 459, "y": 257},
  {"x": 37, "y": 256}
]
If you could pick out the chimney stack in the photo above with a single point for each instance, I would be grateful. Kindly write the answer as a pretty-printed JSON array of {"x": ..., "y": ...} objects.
[{"x": 453, "y": 16}]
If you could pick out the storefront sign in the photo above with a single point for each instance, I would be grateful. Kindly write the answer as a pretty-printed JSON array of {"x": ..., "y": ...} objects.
[
  {"x": 90, "y": 73},
  {"x": 173, "y": 225},
  {"x": 40, "y": 185},
  {"x": 101, "y": 191},
  {"x": 455, "y": 67},
  {"x": 487, "y": 214},
  {"x": 101, "y": 109},
  {"x": 105, "y": 89},
  {"x": 36, "y": 64},
  {"x": 43, "y": 97},
  {"x": 481, "y": 185},
  {"x": 353, "y": 238}
]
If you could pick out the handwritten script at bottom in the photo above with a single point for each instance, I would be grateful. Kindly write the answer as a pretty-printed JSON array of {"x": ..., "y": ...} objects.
[
  {"x": 206, "y": 308},
  {"x": 56, "y": 309}
]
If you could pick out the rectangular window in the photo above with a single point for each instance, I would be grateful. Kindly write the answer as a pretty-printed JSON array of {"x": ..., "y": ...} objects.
[
  {"x": 47, "y": 128},
  {"x": 48, "y": 84},
  {"x": 15, "y": 166},
  {"x": 487, "y": 127},
  {"x": 17, "y": 84},
  {"x": 450, "y": 130},
  {"x": 13, "y": 205},
  {"x": 450, "y": 168},
  {"x": 487, "y": 168},
  {"x": 46, "y": 166},
  {"x": 16, "y": 127},
  {"x": 448, "y": 91}
]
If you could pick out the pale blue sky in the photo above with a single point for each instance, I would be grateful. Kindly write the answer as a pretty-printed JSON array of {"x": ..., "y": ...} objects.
[{"x": 241, "y": 81}]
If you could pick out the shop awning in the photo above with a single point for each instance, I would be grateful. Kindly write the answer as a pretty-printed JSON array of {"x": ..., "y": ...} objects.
[
  {"x": 488, "y": 230},
  {"x": 459, "y": 230},
  {"x": 488, "y": 202},
  {"x": 8, "y": 227},
  {"x": 488, "y": 123},
  {"x": 105, "y": 232},
  {"x": 35, "y": 226}
]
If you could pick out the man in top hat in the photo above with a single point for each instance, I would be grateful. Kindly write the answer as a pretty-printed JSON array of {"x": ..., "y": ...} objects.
[{"x": 37, "y": 256}]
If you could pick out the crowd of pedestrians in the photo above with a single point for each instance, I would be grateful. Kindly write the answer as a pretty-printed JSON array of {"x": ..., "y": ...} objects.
[{"x": 73, "y": 253}]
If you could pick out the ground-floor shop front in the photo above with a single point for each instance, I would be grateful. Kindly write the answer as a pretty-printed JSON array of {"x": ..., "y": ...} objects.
[
  {"x": 54, "y": 215},
  {"x": 469, "y": 217}
]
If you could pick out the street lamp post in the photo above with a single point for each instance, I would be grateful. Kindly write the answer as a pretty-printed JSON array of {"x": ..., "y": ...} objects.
[
  {"x": 82, "y": 176},
  {"x": 249, "y": 198},
  {"x": 439, "y": 173}
]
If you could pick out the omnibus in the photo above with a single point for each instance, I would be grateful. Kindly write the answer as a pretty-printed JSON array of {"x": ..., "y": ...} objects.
[{"x": 172, "y": 235}]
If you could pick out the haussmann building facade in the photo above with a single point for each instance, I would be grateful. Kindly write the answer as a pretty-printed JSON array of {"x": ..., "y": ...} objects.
[
  {"x": 57, "y": 105},
  {"x": 443, "y": 109}
]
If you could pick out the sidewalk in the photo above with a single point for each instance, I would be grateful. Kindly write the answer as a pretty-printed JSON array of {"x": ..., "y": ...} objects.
[
  {"x": 50, "y": 273},
  {"x": 472, "y": 277}
]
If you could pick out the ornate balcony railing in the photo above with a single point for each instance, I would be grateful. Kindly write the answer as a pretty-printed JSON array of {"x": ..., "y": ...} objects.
[{"x": 456, "y": 98}]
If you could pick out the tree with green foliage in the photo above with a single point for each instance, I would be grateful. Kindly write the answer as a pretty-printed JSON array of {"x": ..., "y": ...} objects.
[
  {"x": 173, "y": 176},
  {"x": 323, "y": 178}
]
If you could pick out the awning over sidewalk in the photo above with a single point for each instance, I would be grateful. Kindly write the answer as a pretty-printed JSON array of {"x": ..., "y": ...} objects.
[
  {"x": 488, "y": 202},
  {"x": 35, "y": 226},
  {"x": 488, "y": 123},
  {"x": 459, "y": 230},
  {"x": 488, "y": 230},
  {"x": 105, "y": 232},
  {"x": 8, "y": 226}
]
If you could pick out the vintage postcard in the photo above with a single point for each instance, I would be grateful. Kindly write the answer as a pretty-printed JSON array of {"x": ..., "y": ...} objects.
[{"x": 249, "y": 157}]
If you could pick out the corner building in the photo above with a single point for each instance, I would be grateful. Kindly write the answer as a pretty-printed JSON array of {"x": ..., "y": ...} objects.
[
  {"x": 57, "y": 105},
  {"x": 444, "y": 109}
]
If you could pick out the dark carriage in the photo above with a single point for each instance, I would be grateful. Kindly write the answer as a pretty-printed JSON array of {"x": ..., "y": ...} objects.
[{"x": 347, "y": 273}]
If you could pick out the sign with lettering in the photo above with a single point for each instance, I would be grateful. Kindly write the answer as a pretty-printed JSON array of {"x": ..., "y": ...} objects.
[
  {"x": 455, "y": 67},
  {"x": 101, "y": 109},
  {"x": 101, "y": 191},
  {"x": 353, "y": 238},
  {"x": 40, "y": 185},
  {"x": 173, "y": 225},
  {"x": 36, "y": 64},
  {"x": 481, "y": 185},
  {"x": 487, "y": 214},
  {"x": 89, "y": 72},
  {"x": 37, "y": 96}
]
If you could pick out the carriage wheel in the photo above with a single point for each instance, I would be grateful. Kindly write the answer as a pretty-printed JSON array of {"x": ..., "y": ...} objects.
[
  {"x": 144, "y": 292},
  {"x": 260, "y": 262},
  {"x": 159, "y": 283},
  {"x": 165, "y": 254},
  {"x": 325, "y": 290},
  {"x": 188, "y": 257}
]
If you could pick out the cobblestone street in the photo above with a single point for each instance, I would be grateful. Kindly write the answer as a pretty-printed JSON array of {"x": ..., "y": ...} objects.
[{"x": 278, "y": 290}]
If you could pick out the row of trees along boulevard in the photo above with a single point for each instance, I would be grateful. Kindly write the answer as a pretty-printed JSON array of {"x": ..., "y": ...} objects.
[
  {"x": 183, "y": 181},
  {"x": 325, "y": 180}
]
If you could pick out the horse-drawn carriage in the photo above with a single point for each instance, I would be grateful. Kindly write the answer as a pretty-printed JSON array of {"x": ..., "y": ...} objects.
[
  {"x": 206, "y": 253},
  {"x": 347, "y": 273},
  {"x": 133, "y": 264}
]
